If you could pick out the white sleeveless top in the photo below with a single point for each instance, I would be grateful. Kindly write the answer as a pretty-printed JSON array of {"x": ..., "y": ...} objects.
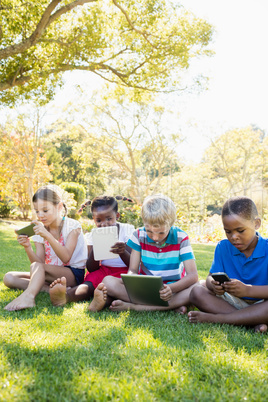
[{"x": 79, "y": 257}]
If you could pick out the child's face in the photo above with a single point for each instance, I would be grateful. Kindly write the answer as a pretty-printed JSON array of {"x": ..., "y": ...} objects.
[
  {"x": 241, "y": 232},
  {"x": 47, "y": 212},
  {"x": 158, "y": 233},
  {"x": 104, "y": 216}
]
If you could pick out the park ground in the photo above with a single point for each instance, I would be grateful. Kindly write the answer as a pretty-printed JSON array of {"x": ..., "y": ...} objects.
[{"x": 68, "y": 354}]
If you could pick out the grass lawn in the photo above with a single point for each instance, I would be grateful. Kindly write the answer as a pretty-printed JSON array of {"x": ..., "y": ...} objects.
[{"x": 67, "y": 354}]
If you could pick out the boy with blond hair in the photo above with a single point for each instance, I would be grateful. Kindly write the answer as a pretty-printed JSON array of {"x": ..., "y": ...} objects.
[{"x": 159, "y": 249}]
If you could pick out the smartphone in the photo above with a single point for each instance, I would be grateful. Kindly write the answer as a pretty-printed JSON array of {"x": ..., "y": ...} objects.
[
  {"x": 220, "y": 277},
  {"x": 27, "y": 230}
]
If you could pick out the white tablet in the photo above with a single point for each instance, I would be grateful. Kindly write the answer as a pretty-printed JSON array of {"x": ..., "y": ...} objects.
[{"x": 103, "y": 239}]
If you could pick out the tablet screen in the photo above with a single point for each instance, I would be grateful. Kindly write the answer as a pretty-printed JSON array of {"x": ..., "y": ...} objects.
[{"x": 103, "y": 239}]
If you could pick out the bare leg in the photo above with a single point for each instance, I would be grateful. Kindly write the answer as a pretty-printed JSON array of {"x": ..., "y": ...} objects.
[
  {"x": 17, "y": 280},
  {"x": 254, "y": 315},
  {"x": 39, "y": 273},
  {"x": 205, "y": 300},
  {"x": 100, "y": 297},
  {"x": 178, "y": 302},
  {"x": 115, "y": 288},
  {"x": 60, "y": 295},
  {"x": 20, "y": 280}
]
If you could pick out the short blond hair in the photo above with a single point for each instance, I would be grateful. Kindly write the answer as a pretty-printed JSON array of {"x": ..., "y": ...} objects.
[{"x": 158, "y": 209}]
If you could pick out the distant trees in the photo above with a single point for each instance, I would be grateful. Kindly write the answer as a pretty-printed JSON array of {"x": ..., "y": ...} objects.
[
  {"x": 71, "y": 152},
  {"x": 23, "y": 166},
  {"x": 134, "y": 144}
]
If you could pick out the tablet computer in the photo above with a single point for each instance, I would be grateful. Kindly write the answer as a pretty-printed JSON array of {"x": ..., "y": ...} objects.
[
  {"x": 103, "y": 239},
  {"x": 144, "y": 289},
  {"x": 27, "y": 230}
]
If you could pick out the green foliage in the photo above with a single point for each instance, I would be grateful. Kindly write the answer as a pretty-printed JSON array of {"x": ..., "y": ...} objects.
[
  {"x": 72, "y": 153},
  {"x": 79, "y": 193},
  {"x": 128, "y": 356},
  {"x": 77, "y": 189},
  {"x": 5, "y": 207},
  {"x": 41, "y": 40},
  {"x": 130, "y": 214}
]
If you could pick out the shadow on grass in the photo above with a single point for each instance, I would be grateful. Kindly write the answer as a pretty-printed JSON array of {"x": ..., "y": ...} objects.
[
  {"x": 119, "y": 363},
  {"x": 175, "y": 330}
]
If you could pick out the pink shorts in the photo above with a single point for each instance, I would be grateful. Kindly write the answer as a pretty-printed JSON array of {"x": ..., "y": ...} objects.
[{"x": 97, "y": 276}]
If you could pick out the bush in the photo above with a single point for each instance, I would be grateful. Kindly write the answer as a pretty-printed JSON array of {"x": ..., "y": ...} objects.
[
  {"x": 79, "y": 193},
  {"x": 5, "y": 207},
  {"x": 130, "y": 214}
]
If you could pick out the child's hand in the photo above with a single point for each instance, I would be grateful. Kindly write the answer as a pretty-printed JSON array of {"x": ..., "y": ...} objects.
[
  {"x": 39, "y": 229},
  {"x": 118, "y": 248},
  {"x": 236, "y": 288},
  {"x": 24, "y": 241},
  {"x": 165, "y": 293},
  {"x": 217, "y": 288}
]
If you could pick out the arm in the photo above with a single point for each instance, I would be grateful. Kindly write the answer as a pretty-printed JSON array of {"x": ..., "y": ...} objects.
[
  {"x": 240, "y": 289},
  {"x": 135, "y": 259},
  {"x": 188, "y": 280},
  {"x": 63, "y": 252},
  {"x": 92, "y": 265},
  {"x": 39, "y": 255}
]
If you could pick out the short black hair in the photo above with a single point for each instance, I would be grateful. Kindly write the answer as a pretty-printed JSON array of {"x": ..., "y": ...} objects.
[{"x": 242, "y": 206}]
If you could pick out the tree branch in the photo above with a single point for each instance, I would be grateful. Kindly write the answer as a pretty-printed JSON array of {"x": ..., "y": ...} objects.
[
  {"x": 144, "y": 34},
  {"x": 44, "y": 22},
  {"x": 41, "y": 26}
]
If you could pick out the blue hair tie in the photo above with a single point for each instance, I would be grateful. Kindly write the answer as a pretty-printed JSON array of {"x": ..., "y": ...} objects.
[{"x": 63, "y": 218}]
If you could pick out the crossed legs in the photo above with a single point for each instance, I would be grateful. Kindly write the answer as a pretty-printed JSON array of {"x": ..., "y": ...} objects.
[{"x": 216, "y": 310}]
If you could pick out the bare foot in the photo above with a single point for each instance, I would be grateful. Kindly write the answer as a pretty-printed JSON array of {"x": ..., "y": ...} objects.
[
  {"x": 25, "y": 300},
  {"x": 57, "y": 292},
  {"x": 120, "y": 305},
  {"x": 181, "y": 310},
  {"x": 261, "y": 328},
  {"x": 100, "y": 297},
  {"x": 199, "y": 316}
]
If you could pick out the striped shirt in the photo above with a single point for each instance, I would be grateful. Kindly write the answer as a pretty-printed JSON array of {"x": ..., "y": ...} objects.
[{"x": 166, "y": 260}]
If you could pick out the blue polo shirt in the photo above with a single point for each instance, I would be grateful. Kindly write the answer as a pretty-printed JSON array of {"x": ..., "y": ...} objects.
[{"x": 251, "y": 271}]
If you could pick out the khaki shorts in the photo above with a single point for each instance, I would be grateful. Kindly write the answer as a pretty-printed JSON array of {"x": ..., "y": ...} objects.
[{"x": 237, "y": 302}]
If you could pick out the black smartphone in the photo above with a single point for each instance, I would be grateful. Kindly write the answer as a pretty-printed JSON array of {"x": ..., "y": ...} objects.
[
  {"x": 220, "y": 277},
  {"x": 27, "y": 230}
]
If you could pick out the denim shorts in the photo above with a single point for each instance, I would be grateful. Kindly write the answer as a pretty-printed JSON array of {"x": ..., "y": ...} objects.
[{"x": 79, "y": 274}]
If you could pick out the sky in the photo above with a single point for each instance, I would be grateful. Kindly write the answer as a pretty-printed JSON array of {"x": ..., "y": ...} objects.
[{"x": 238, "y": 84}]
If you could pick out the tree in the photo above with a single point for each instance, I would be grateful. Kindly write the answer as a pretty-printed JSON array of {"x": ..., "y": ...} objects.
[
  {"x": 135, "y": 146},
  {"x": 238, "y": 161},
  {"x": 64, "y": 144},
  {"x": 23, "y": 166},
  {"x": 42, "y": 40}
]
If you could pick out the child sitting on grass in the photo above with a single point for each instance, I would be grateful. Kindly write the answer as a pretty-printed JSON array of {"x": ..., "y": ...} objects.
[
  {"x": 60, "y": 250},
  {"x": 105, "y": 213},
  {"x": 158, "y": 249},
  {"x": 243, "y": 256}
]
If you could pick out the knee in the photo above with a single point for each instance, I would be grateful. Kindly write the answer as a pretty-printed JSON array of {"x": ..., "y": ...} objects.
[
  {"x": 37, "y": 265},
  {"x": 109, "y": 281},
  {"x": 197, "y": 293},
  {"x": 9, "y": 280}
]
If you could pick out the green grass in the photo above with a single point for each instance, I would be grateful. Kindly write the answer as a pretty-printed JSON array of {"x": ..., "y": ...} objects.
[{"x": 67, "y": 354}]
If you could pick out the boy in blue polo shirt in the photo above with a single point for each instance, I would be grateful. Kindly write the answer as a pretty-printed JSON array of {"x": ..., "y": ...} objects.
[
  {"x": 243, "y": 256},
  {"x": 160, "y": 249}
]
